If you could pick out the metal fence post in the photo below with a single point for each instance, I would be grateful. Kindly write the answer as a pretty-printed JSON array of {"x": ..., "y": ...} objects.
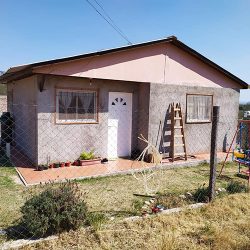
[{"x": 213, "y": 152}]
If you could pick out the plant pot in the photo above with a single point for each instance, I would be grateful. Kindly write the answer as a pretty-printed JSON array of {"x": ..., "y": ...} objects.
[
  {"x": 67, "y": 164},
  {"x": 90, "y": 162},
  {"x": 76, "y": 163},
  {"x": 57, "y": 165},
  {"x": 52, "y": 165},
  {"x": 40, "y": 168},
  {"x": 62, "y": 164}
]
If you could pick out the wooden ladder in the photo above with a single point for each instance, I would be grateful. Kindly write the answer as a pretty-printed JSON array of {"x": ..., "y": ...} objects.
[{"x": 177, "y": 125}]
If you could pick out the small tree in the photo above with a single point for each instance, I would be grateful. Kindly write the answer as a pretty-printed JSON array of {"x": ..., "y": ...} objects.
[
  {"x": 59, "y": 208},
  {"x": 147, "y": 176}
]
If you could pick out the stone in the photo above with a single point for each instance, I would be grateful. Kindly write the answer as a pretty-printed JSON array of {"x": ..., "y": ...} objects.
[
  {"x": 182, "y": 196},
  {"x": 2, "y": 232}
]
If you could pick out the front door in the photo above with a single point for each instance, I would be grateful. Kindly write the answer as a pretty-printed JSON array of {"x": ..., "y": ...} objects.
[{"x": 119, "y": 124}]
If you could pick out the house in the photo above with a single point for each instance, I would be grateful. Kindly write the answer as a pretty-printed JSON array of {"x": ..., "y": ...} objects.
[
  {"x": 104, "y": 100},
  {"x": 246, "y": 114}
]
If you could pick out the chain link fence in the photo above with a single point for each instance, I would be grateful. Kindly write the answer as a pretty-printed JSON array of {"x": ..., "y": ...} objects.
[{"x": 46, "y": 147}]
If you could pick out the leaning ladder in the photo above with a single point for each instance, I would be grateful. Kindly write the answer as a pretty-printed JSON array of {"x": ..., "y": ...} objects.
[{"x": 177, "y": 125}]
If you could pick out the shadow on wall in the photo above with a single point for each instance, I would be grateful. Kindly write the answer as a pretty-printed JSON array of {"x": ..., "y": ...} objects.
[{"x": 164, "y": 134}]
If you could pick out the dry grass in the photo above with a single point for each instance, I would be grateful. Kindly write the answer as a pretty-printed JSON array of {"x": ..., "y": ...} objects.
[
  {"x": 227, "y": 221},
  {"x": 224, "y": 224},
  {"x": 115, "y": 194},
  {"x": 112, "y": 195}
]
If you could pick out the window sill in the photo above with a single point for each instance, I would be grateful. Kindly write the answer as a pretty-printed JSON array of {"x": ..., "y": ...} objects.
[{"x": 58, "y": 122}]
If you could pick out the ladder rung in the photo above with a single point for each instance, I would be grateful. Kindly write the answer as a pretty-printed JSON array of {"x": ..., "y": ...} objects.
[
  {"x": 177, "y": 118},
  {"x": 178, "y": 145},
  {"x": 176, "y": 109},
  {"x": 178, "y": 136},
  {"x": 177, "y": 127}
]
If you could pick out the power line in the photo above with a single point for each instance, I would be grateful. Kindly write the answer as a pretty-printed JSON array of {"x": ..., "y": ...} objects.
[
  {"x": 108, "y": 16},
  {"x": 109, "y": 20}
]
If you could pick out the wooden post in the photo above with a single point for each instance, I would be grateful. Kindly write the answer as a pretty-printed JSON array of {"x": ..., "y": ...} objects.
[{"x": 213, "y": 152}]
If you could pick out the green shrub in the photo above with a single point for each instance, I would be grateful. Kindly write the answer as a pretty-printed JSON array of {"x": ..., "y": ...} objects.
[
  {"x": 201, "y": 194},
  {"x": 96, "y": 220},
  {"x": 236, "y": 187},
  {"x": 59, "y": 208},
  {"x": 87, "y": 155}
]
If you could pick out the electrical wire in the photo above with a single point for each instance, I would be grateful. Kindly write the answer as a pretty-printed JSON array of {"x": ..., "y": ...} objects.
[
  {"x": 108, "y": 16},
  {"x": 109, "y": 20}
]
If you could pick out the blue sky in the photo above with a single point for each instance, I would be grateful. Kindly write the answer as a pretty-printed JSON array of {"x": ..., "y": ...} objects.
[{"x": 36, "y": 30}]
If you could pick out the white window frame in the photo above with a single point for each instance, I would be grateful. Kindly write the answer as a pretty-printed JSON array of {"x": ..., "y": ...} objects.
[
  {"x": 75, "y": 121},
  {"x": 197, "y": 120}
]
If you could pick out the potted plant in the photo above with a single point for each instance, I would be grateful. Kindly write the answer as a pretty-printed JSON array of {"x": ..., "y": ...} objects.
[
  {"x": 89, "y": 158},
  {"x": 67, "y": 164},
  {"x": 40, "y": 167},
  {"x": 57, "y": 165},
  {"x": 76, "y": 163},
  {"x": 62, "y": 164},
  {"x": 52, "y": 165}
]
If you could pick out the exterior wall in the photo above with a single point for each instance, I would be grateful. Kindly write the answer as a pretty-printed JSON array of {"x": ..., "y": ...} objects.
[
  {"x": 197, "y": 135},
  {"x": 158, "y": 63},
  {"x": 143, "y": 113},
  {"x": 3, "y": 103},
  {"x": 62, "y": 142},
  {"x": 22, "y": 105}
]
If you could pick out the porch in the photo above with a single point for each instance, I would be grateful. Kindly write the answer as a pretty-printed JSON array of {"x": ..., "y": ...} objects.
[{"x": 31, "y": 176}]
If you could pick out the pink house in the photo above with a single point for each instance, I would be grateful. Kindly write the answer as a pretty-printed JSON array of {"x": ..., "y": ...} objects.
[{"x": 104, "y": 100}]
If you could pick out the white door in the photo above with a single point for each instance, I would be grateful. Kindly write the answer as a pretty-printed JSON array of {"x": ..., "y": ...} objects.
[{"x": 119, "y": 124}]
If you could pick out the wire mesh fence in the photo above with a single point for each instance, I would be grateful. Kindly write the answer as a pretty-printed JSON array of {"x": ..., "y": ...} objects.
[
  {"x": 45, "y": 147},
  {"x": 34, "y": 137}
]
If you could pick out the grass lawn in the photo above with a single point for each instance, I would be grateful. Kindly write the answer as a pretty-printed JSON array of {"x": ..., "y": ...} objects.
[
  {"x": 114, "y": 196},
  {"x": 11, "y": 196}
]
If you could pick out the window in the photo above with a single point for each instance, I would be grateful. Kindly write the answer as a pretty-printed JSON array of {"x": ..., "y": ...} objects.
[
  {"x": 76, "y": 106},
  {"x": 199, "y": 108}
]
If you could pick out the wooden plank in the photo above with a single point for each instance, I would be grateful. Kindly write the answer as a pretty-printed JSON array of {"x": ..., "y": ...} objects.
[
  {"x": 178, "y": 136},
  {"x": 179, "y": 145},
  {"x": 177, "y": 127},
  {"x": 182, "y": 132},
  {"x": 172, "y": 131},
  {"x": 177, "y": 154}
]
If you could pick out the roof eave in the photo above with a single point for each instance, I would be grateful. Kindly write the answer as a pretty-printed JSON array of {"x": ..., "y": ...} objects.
[
  {"x": 209, "y": 62},
  {"x": 26, "y": 70}
]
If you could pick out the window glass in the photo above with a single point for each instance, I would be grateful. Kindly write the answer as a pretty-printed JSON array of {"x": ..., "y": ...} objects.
[
  {"x": 76, "y": 106},
  {"x": 199, "y": 108}
]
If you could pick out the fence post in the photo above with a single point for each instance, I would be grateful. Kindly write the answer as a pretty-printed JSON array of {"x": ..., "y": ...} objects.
[{"x": 213, "y": 152}]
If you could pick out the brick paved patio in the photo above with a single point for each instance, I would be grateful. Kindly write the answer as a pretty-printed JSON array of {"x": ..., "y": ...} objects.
[{"x": 31, "y": 176}]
